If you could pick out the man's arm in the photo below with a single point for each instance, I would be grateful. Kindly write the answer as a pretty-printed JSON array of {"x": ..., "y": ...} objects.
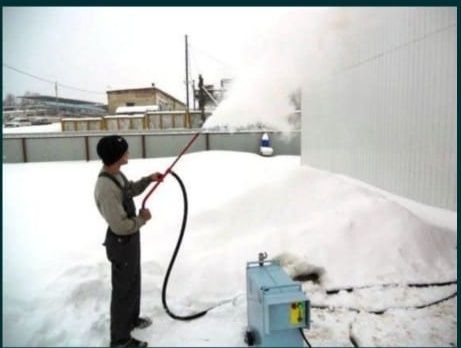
[
  {"x": 109, "y": 201},
  {"x": 135, "y": 188}
]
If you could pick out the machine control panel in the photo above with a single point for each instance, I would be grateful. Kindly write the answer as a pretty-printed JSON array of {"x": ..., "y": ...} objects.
[
  {"x": 287, "y": 315},
  {"x": 297, "y": 311}
]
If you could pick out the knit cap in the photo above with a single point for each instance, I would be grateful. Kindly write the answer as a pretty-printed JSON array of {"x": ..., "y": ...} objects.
[{"x": 111, "y": 148}]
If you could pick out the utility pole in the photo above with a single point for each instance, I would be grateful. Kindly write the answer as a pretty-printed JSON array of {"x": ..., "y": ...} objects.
[
  {"x": 56, "y": 92},
  {"x": 201, "y": 100},
  {"x": 187, "y": 76},
  {"x": 187, "y": 116},
  {"x": 194, "y": 107}
]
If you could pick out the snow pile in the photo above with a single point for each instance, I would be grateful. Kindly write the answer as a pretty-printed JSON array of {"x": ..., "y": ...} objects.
[
  {"x": 322, "y": 227},
  {"x": 356, "y": 235},
  {"x": 403, "y": 327}
]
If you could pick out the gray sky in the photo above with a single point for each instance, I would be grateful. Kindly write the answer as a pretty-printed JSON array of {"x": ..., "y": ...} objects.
[{"x": 100, "y": 48}]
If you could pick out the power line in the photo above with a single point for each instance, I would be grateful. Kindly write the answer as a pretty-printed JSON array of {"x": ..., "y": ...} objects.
[
  {"x": 79, "y": 89},
  {"x": 212, "y": 57},
  {"x": 28, "y": 74},
  {"x": 194, "y": 60},
  {"x": 49, "y": 81}
]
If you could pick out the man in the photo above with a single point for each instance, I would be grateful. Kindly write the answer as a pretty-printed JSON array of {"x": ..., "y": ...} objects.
[{"x": 114, "y": 198}]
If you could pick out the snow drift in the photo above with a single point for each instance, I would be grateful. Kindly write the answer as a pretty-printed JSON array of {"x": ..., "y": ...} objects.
[{"x": 57, "y": 280}]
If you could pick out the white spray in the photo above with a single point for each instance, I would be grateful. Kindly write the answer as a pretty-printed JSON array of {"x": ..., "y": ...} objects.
[{"x": 297, "y": 50}]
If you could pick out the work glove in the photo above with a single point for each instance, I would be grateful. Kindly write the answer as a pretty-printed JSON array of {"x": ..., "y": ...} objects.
[
  {"x": 145, "y": 214},
  {"x": 156, "y": 176}
]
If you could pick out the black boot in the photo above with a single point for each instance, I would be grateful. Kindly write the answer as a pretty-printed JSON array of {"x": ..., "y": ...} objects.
[
  {"x": 131, "y": 342},
  {"x": 142, "y": 323}
]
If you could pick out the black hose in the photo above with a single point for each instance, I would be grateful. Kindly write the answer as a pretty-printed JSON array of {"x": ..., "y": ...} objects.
[
  {"x": 304, "y": 337},
  {"x": 173, "y": 258}
]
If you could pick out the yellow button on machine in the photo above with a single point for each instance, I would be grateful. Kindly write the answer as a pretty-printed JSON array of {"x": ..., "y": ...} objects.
[{"x": 296, "y": 313}]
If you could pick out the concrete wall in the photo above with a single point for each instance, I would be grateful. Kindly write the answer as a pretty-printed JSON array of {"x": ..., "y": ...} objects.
[
  {"x": 82, "y": 145},
  {"x": 388, "y": 114}
]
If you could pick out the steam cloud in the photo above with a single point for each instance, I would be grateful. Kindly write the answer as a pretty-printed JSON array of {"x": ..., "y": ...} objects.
[
  {"x": 290, "y": 50},
  {"x": 298, "y": 50}
]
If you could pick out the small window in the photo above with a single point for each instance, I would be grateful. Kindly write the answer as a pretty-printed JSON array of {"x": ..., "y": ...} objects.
[{"x": 129, "y": 104}]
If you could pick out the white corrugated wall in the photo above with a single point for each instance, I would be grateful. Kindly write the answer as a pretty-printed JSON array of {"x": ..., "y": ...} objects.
[{"x": 387, "y": 113}]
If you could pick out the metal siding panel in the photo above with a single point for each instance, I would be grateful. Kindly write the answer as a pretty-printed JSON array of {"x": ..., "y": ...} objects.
[
  {"x": 92, "y": 143},
  {"x": 134, "y": 145},
  {"x": 170, "y": 145},
  {"x": 55, "y": 149},
  {"x": 12, "y": 151},
  {"x": 410, "y": 116},
  {"x": 286, "y": 144},
  {"x": 235, "y": 142}
]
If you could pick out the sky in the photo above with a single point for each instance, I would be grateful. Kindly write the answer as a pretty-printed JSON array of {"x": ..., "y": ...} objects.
[
  {"x": 268, "y": 52},
  {"x": 100, "y": 48},
  {"x": 56, "y": 279}
]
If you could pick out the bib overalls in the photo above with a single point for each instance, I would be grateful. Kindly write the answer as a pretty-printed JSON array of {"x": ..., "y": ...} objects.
[{"x": 124, "y": 254}]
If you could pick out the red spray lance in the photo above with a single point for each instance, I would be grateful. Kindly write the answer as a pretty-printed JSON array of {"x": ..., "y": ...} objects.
[{"x": 170, "y": 168}]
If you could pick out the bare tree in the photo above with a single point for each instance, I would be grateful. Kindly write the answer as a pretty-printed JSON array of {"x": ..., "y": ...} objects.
[
  {"x": 10, "y": 100},
  {"x": 26, "y": 102}
]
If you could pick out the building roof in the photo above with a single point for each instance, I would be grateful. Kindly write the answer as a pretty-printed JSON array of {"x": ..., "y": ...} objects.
[
  {"x": 136, "y": 109},
  {"x": 124, "y": 116},
  {"x": 51, "y": 99},
  {"x": 177, "y": 112},
  {"x": 80, "y": 119},
  {"x": 144, "y": 89}
]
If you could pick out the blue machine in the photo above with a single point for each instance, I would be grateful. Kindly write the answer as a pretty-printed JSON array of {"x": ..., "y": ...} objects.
[{"x": 276, "y": 306}]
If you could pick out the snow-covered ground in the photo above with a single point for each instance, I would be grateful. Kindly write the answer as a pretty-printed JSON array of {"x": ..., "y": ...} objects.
[
  {"x": 381, "y": 260},
  {"x": 44, "y": 128}
]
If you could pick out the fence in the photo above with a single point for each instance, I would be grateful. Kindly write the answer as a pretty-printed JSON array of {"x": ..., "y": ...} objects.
[
  {"x": 77, "y": 146},
  {"x": 155, "y": 120}
]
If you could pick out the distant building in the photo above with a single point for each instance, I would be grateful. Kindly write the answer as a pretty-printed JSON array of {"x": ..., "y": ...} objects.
[
  {"x": 138, "y": 109},
  {"x": 61, "y": 107},
  {"x": 42, "y": 109},
  {"x": 148, "y": 96}
]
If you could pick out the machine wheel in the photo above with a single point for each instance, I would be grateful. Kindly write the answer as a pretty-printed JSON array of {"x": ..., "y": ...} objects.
[{"x": 249, "y": 338}]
